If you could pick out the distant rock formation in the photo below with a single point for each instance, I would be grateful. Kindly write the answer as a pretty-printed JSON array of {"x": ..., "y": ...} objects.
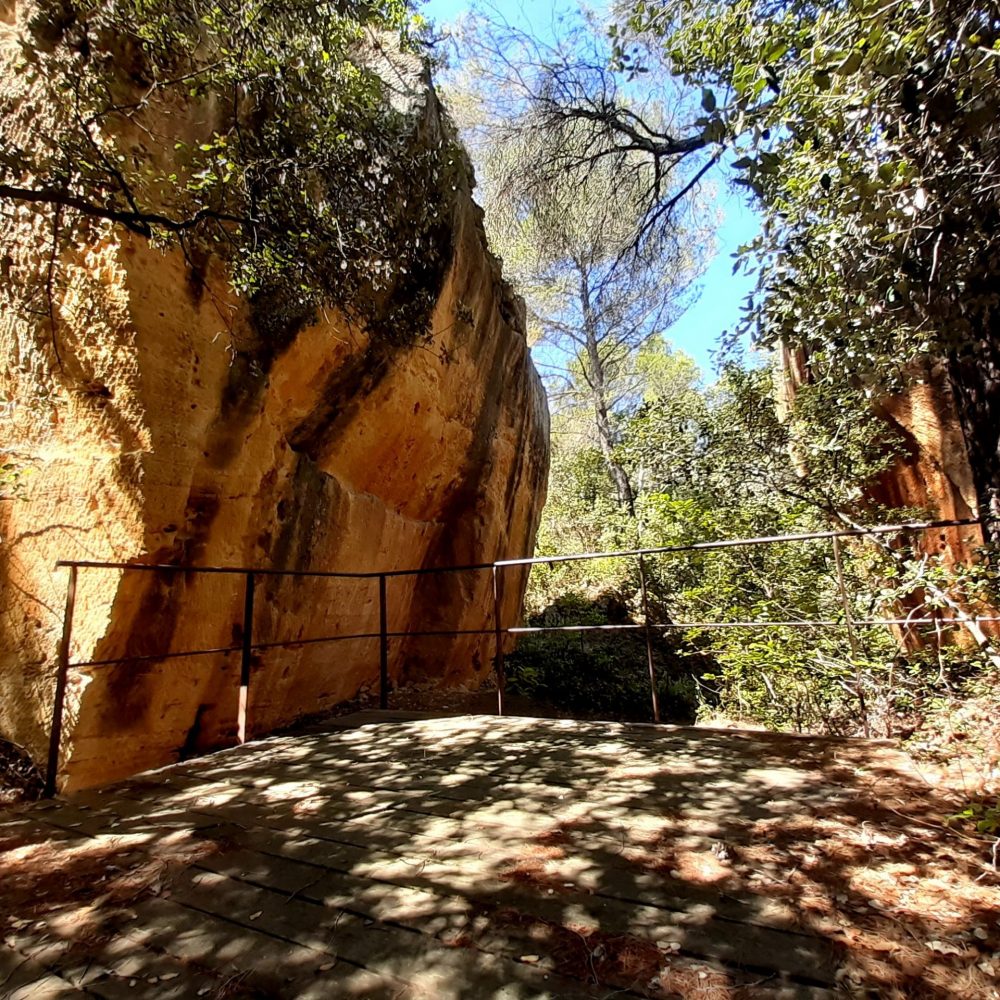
[
  {"x": 932, "y": 473},
  {"x": 161, "y": 441}
]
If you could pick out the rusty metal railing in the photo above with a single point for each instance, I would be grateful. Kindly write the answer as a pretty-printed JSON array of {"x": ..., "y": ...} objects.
[{"x": 250, "y": 574}]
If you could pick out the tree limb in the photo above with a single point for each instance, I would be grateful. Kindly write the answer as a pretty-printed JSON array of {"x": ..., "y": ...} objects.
[{"x": 141, "y": 223}]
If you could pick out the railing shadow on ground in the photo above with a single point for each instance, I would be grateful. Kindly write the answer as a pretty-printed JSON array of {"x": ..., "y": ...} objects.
[
  {"x": 525, "y": 859},
  {"x": 248, "y": 647}
]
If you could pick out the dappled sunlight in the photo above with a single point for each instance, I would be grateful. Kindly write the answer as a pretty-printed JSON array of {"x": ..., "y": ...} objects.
[
  {"x": 521, "y": 858},
  {"x": 282, "y": 791}
]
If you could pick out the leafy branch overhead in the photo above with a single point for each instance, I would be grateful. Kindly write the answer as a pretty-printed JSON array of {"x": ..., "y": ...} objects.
[
  {"x": 565, "y": 101},
  {"x": 867, "y": 134},
  {"x": 289, "y": 139}
]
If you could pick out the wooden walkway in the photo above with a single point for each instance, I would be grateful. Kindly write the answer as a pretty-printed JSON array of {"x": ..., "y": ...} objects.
[{"x": 395, "y": 856}]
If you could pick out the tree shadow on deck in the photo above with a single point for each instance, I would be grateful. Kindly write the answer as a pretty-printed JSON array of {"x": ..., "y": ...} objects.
[{"x": 483, "y": 857}]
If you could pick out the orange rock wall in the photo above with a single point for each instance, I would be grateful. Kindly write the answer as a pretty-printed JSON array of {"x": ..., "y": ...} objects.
[
  {"x": 159, "y": 441},
  {"x": 933, "y": 473}
]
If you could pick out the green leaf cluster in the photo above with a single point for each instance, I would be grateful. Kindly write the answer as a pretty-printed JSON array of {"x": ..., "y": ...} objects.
[
  {"x": 869, "y": 135},
  {"x": 295, "y": 142}
]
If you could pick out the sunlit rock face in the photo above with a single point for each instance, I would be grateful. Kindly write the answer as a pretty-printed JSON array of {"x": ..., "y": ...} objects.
[
  {"x": 932, "y": 472},
  {"x": 156, "y": 441}
]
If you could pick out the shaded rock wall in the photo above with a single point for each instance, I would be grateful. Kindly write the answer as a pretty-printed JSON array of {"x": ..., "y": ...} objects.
[{"x": 160, "y": 440}]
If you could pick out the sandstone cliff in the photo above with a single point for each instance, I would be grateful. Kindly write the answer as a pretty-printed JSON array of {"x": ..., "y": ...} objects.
[
  {"x": 931, "y": 472},
  {"x": 163, "y": 433}
]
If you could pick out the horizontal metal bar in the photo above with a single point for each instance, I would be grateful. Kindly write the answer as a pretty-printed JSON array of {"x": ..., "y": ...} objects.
[
  {"x": 884, "y": 529},
  {"x": 818, "y": 623},
  {"x": 156, "y": 656},
  {"x": 284, "y": 644},
  {"x": 225, "y": 570},
  {"x": 526, "y": 630},
  {"x": 244, "y": 570},
  {"x": 924, "y": 621},
  {"x": 291, "y": 643},
  {"x": 370, "y": 635},
  {"x": 257, "y": 646},
  {"x": 654, "y": 625}
]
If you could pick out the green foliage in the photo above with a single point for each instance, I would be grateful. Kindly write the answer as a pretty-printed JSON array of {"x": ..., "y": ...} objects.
[
  {"x": 984, "y": 816},
  {"x": 563, "y": 234},
  {"x": 584, "y": 512},
  {"x": 868, "y": 133},
  {"x": 288, "y": 140},
  {"x": 595, "y": 675},
  {"x": 717, "y": 463}
]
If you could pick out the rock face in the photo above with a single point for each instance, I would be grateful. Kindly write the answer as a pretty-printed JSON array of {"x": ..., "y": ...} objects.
[
  {"x": 933, "y": 472},
  {"x": 159, "y": 441}
]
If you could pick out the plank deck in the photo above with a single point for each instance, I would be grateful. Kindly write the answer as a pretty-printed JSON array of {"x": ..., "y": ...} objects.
[{"x": 389, "y": 854}]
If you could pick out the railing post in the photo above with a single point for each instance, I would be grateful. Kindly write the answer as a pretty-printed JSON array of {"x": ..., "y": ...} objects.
[
  {"x": 501, "y": 674},
  {"x": 62, "y": 673},
  {"x": 649, "y": 641},
  {"x": 243, "y": 711},
  {"x": 852, "y": 638},
  {"x": 383, "y": 628}
]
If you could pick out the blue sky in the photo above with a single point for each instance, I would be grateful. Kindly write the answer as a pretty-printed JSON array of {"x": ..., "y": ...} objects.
[{"x": 717, "y": 307}]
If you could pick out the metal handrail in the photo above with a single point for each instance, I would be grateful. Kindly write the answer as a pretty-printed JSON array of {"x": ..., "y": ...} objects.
[
  {"x": 727, "y": 543},
  {"x": 523, "y": 630},
  {"x": 248, "y": 647}
]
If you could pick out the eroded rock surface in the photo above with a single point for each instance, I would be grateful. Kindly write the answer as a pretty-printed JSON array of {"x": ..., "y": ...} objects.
[
  {"x": 932, "y": 472},
  {"x": 157, "y": 436}
]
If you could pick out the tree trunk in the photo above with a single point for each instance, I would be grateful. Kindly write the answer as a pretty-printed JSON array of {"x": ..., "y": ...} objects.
[{"x": 597, "y": 380}]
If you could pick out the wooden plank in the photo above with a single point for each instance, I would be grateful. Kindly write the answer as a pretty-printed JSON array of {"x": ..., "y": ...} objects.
[
  {"x": 408, "y": 724},
  {"x": 404, "y": 738},
  {"x": 247, "y": 954},
  {"x": 492, "y": 807},
  {"x": 459, "y": 918},
  {"x": 417, "y": 826},
  {"x": 46, "y": 986},
  {"x": 431, "y": 968},
  {"x": 88, "y": 952},
  {"x": 122, "y": 968},
  {"x": 409, "y": 834},
  {"x": 361, "y": 769},
  {"x": 23, "y": 977},
  {"x": 370, "y": 885}
]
